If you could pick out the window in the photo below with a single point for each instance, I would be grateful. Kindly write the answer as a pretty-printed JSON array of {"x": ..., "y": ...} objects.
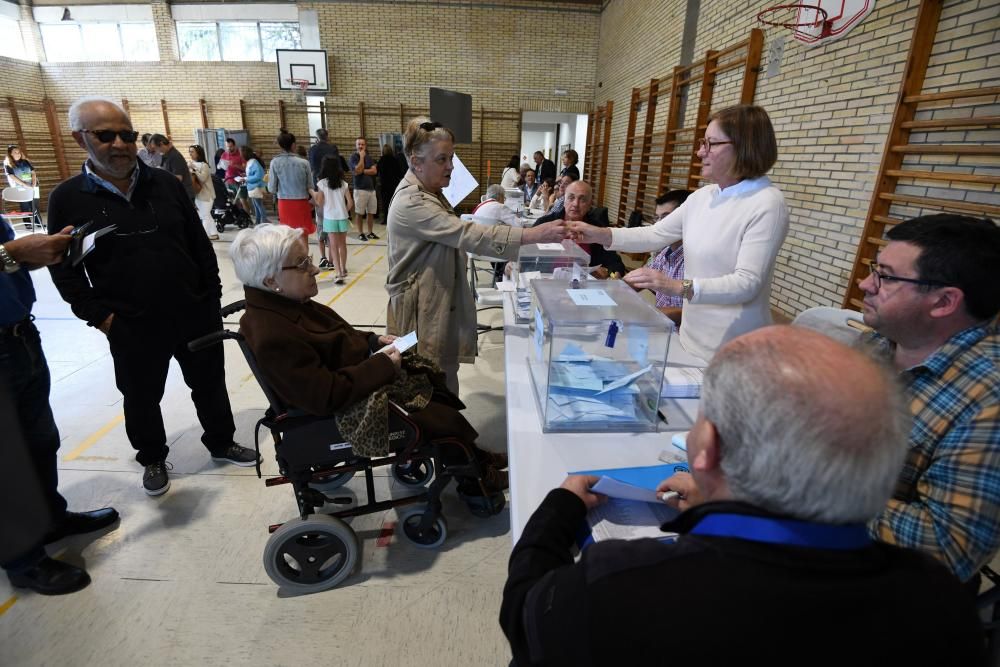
[
  {"x": 11, "y": 44},
  {"x": 69, "y": 42},
  {"x": 235, "y": 40}
]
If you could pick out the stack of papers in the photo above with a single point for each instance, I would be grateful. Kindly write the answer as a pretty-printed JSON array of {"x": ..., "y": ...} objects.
[
  {"x": 682, "y": 382},
  {"x": 590, "y": 388},
  {"x": 632, "y": 510}
]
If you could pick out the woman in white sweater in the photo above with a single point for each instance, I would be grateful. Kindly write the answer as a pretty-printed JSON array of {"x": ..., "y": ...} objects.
[{"x": 731, "y": 230}]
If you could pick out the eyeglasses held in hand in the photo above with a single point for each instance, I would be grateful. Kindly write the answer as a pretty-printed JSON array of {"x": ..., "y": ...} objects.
[
  {"x": 108, "y": 136},
  {"x": 304, "y": 264},
  {"x": 878, "y": 277},
  {"x": 707, "y": 144}
]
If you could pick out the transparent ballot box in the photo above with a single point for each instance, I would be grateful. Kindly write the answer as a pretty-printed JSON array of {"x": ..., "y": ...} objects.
[
  {"x": 545, "y": 258},
  {"x": 597, "y": 357}
]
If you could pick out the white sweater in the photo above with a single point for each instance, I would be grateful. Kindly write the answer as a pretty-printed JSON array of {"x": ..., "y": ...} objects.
[{"x": 731, "y": 241}]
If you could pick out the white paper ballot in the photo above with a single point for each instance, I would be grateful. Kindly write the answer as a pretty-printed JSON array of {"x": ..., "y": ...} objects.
[
  {"x": 615, "y": 489},
  {"x": 627, "y": 380},
  {"x": 403, "y": 343},
  {"x": 590, "y": 297},
  {"x": 550, "y": 246},
  {"x": 461, "y": 184}
]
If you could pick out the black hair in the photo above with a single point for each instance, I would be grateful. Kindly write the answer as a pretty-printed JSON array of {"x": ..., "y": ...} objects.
[
  {"x": 158, "y": 139},
  {"x": 285, "y": 139},
  {"x": 960, "y": 251},
  {"x": 513, "y": 163},
  {"x": 332, "y": 170},
  {"x": 230, "y": 140},
  {"x": 322, "y": 134},
  {"x": 145, "y": 138},
  {"x": 673, "y": 197},
  {"x": 199, "y": 152}
]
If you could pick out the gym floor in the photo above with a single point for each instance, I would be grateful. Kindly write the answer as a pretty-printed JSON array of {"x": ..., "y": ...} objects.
[{"x": 181, "y": 580}]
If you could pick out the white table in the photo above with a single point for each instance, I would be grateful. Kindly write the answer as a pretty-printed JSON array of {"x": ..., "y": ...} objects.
[{"x": 539, "y": 461}]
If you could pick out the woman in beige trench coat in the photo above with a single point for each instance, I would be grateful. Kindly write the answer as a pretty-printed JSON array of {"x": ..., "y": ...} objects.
[{"x": 428, "y": 290}]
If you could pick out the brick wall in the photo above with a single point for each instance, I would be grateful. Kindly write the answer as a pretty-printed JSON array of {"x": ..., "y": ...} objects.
[
  {"x": 831, "y": 107},
  {"x": 404, "y": 48}
]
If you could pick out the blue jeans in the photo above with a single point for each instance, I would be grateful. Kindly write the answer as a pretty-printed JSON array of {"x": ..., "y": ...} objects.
[{"x": 258, "y": 210}]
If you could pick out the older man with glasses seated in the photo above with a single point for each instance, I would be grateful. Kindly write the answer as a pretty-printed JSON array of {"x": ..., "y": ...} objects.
[
  {"x": 150, "y": 284},
  {"x": 933, "y": 299}
]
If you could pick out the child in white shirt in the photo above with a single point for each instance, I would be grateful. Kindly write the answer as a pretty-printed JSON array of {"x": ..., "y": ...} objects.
[{"x": 334, "y": 196}]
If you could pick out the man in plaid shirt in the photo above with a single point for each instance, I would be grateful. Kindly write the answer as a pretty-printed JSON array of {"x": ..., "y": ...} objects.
[
  {"x": 670, "y": 260},
  {"x": 933, "y": 298}
]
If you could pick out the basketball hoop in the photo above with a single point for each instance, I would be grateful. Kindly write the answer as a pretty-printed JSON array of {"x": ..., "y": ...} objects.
[
  {"x": 303, "y": 86},
  {"x": 808, "y": 23}
]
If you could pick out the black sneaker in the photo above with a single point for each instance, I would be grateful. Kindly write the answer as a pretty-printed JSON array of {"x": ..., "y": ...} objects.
[
  {"x": 155, "y": 481},
  {"x": 324, "y": 264},
  {"x": 362, "y": 237},
  {"x": 237, "y": 455},
  {"x": 372, "y": 237}
]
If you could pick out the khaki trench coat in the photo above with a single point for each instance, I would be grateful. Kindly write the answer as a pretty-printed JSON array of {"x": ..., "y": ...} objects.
[{"x": 427, "y": 285}]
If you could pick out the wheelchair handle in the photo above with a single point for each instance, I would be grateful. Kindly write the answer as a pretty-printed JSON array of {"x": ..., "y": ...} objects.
[
  {"x": 234, "y": 307},
  {"x": 211, "y": 339}
]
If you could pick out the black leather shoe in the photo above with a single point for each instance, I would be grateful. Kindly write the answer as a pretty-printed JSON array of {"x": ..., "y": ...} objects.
[
  {"x": 78, "y": 523},
  {"x": 51, "y": 577}
]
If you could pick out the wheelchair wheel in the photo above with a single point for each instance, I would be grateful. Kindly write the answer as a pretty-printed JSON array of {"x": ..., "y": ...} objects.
[
  {"x": 220, "y": 226},
  {"x": 409, "y": 527},
  {"x": 333, "y": 482},
  {"x": 242, "y": 218},
  {"x": 311, "y": 555},
  {"x": 415, "y": 473}
]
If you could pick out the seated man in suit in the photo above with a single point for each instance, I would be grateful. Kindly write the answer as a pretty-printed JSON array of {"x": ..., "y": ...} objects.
[
  {"x": 933, "y": 298},
  {"x": 797, "y": 444},
  {"x": 578, "y": 200}
]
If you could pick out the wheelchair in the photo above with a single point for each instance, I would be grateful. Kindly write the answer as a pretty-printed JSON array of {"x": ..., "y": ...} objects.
[{"x": 319, "y": 550}]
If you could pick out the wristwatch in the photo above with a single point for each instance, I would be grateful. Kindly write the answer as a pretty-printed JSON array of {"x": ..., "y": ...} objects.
[
  {"x": 9, "y": 264},
  {"x": 687, "y": 289}
]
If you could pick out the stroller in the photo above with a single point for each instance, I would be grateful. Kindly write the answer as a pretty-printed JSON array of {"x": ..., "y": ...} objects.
[{"x": 225, "y": 209}]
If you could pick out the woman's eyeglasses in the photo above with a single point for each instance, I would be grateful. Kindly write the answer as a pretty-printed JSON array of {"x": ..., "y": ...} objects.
[
  {"x": 107, "y": 136},
  {"x": 707, "y": 144},
  {"x": 304, "y": 264},
  {"x": 430, "y": 127}
]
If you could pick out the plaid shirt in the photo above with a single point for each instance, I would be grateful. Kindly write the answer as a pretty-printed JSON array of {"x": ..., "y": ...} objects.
[
  {"x": 947, "y": 499},
  {"x": 671, "y": 263}
]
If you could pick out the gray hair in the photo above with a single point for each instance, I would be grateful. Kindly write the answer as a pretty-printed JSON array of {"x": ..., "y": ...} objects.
[
  {"x": 76, "y": 110},
  {"x": 496, "y": 191},
  {"x": 258, "y": 252},
  {"x": 416, "y": 138},
  {"x": 796, "y": 438}
]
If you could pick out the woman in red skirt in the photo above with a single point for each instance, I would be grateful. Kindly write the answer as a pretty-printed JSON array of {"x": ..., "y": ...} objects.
[{"x": 291, "y": 181}]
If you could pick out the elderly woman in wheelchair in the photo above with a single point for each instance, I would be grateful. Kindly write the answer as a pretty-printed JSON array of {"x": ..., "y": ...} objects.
[{"x": 317, "y": 367}]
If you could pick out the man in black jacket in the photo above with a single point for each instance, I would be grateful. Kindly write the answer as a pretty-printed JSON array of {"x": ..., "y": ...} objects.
[
  {"x": 150, "y": 283},
  {"x": 544, "y": 167},
  {"x": 798, "y": 443},
  {"x": 578, "y": 205}
]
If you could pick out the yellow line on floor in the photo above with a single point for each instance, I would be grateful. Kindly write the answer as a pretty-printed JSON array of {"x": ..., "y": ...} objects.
[
  {"x": 94, "y": 437},
  {"x": 7, "y": 605},
  {"x": 361, "y": 249},
  {"x": 355, "y": 281}
]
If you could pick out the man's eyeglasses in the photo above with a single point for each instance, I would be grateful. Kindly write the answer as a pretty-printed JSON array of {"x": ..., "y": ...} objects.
[
  {"x": 430, "y": 127},
  {"x": 879, "y": 277},
  {"x": 706, "y": 143},
  {"x": 304, "y": 264},
  {"x": 107, "y": 136}
]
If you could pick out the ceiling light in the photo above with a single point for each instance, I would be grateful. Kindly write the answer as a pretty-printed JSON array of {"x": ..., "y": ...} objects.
[{"x": 66, "y": 16}]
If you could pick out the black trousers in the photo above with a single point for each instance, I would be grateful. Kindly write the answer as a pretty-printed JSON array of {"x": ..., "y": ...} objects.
[
  {"x": 142, "y": 349},
  {"x": 29, "y": 500}
]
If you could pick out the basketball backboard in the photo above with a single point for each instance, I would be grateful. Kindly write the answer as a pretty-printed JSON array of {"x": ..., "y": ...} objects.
[
  {"x": 303, "y": 64},
  {"x": 841, "y": 17}
]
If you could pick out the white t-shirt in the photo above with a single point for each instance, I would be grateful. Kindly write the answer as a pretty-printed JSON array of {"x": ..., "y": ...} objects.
[{"x": 334, "y": 201}]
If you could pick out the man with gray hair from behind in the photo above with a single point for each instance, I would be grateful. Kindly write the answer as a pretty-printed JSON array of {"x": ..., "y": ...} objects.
[{"x": 798, "y": 442}]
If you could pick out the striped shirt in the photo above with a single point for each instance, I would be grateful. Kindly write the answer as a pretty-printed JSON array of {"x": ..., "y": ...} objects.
[{"x": 947, "y": 499}]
